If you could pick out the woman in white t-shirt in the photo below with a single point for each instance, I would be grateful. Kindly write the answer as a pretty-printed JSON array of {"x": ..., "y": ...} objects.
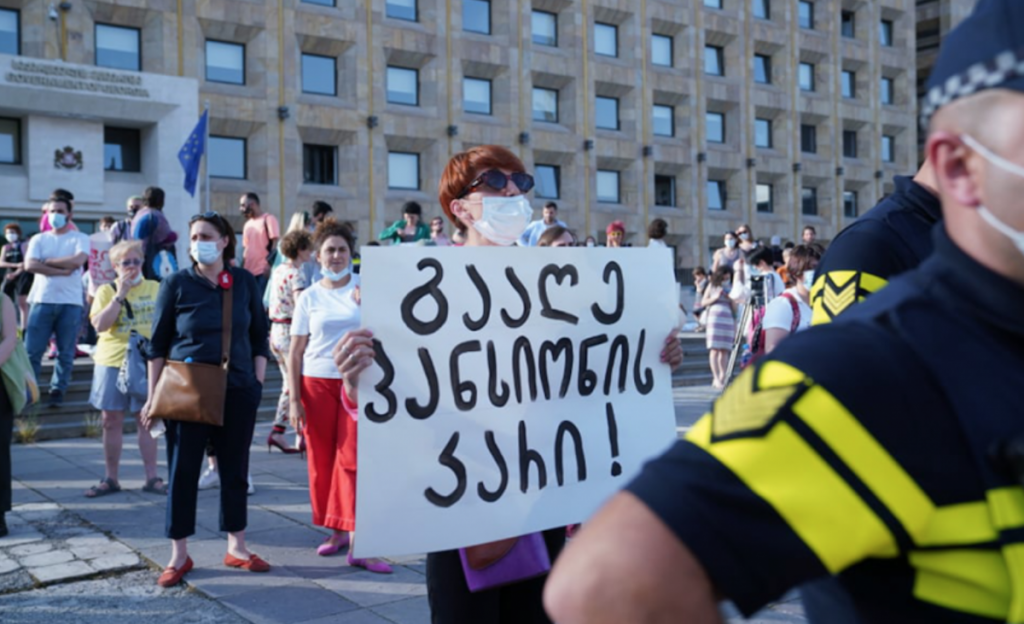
[
  {"x": 779, "y": 318},
  {"x": 323, "y": 313}
]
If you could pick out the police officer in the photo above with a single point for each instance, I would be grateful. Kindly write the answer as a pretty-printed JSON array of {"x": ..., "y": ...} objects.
[{"x": 892, "y": 468}]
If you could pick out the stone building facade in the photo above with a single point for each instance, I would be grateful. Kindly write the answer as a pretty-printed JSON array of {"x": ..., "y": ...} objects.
[{"x": 707, "y": 113}]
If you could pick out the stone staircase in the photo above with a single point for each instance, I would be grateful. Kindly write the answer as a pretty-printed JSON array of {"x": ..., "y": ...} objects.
[{"x": 696, "y": 369}]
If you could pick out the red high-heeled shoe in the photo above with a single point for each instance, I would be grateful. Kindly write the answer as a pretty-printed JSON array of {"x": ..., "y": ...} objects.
[{"x": 287, "y": 450}]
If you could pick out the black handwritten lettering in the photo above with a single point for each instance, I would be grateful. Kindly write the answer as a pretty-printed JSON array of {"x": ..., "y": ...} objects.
[
  {"x": 448, "y": 460},
  {"x": 523, "y": 295},
  {"x": 521, "y": 345},
  {"x": 587, "y": 382},
  {"x": 555, "y": 350},
  {"x": 460, "y": 387},
  {"x": 613, "y": 438},
  {"x": 485, "y": 298},
  {"x": 383, "y": 387},
  {"x": 621, "y": 346},
  {"x": 498, "y": 399},
  {"x": 485, "y": 494},
  {"x": 581, "y": 462},
  {"x": 416, "y": 410},
  {"x": 559, "y": 273},
  {"x": 647, "y": 384},
  {"x": 620, "y": 296},
  {"x": 529, "y": 456},
  {"x": 430, "y": 289}
]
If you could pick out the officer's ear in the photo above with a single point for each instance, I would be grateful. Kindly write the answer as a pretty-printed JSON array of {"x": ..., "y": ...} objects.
[{"x": 957, "y": 168}]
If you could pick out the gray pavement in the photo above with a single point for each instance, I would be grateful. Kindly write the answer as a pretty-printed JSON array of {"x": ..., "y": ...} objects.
[{"x": 97, "y": 560}]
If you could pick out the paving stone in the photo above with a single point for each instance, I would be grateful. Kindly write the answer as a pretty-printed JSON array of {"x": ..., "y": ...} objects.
[
  {"x": 114, "y": 562},
  {"x": 30, "y": 549},
  {"x": 21, "y": 535},
  {"x": 61, "y": 571},
  {"x": 411, "y": 611},
  {"x": 367, "y": 589},
  {"x": 108, "y": 549},
  {"x": 50, "y": 558},
  {"x": 8, "y": 565},
  {"x": 304, "y": 601}
]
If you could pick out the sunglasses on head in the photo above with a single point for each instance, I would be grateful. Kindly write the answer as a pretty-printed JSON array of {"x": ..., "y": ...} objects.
[
  {"x": 498, "y": 180},
  {"x": 209, "y": 215}
]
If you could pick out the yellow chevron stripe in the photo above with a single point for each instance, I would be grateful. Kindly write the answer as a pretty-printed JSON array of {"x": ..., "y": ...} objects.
[
  {"x": 838, "y": 299},
  {"x": 969, "y": 581},
  {"x": 742, "y": 408}
]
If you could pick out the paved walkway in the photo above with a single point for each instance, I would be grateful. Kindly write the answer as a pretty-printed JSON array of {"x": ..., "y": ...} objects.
[{"x": 96, "y": 560}]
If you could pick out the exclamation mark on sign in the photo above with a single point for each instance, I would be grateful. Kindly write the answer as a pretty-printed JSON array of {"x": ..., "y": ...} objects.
[{"x": 613, "y": 438}]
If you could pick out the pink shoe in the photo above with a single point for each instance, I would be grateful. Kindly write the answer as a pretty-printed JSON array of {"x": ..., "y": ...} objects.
[
  {"x": 375, "y": 566},
  {"x": 332, "y": 545}
]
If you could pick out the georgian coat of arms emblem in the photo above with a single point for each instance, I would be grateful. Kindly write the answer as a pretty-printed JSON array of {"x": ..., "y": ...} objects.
[{"x": 67, "y": 158}]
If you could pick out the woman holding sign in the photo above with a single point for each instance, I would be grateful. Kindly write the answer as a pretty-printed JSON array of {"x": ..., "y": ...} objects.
[{"x": 323, "y": 313}]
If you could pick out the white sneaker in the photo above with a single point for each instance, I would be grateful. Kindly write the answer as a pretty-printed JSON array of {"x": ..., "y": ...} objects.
[
  {"x": 252, "y": 488},
  {"x": 209, "y": 479}
]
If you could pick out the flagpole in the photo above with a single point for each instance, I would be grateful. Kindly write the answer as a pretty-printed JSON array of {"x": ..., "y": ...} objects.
[{"x": 206, "y": 153}]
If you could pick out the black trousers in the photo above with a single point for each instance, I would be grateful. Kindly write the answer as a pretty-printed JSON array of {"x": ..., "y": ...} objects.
[
  {"x": 6, "y": 434},
  {"x": 452, "y": 603},
  {"x": 186, "y": 446}
]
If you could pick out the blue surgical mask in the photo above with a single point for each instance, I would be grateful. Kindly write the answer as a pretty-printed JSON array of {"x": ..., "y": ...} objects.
[
  {"x": 504, "y": 219},
  {"x": 730, "y": 242},
  {"x": 204, "y": 252},
  {"x": 809, "y": 279},
  {"x": 335, "y": 276},
  {"x": 57, "y": 220}
]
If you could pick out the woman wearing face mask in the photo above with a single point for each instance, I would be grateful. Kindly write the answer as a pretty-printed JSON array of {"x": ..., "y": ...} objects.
[
  {"x": 727, "y": 255},
  {"x": 188, "y": 327},
  {"x": 124, "y": 305},
  {"x": 590, "y": 242},
  {"x": 746, "y": 239},
  {"x": 323, "y": 313},
  {"x": 17, "y": 281},
  {"x": 792, "y": 311},
  {"x": 721, "y": 323}
]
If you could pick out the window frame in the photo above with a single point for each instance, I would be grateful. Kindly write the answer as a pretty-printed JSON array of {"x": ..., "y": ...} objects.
[
  {"x": 800, "y": 77},
  {"x": 419, "y": 173},
  {"x": 534, "y": 109},
  {"x": 490, "y": 96},
  {"x": 883, "y": 26},
  {"x": 17, "y": 29},
  {"x": 887, "y": 97},
  {"x": 206, "y": 62},
  {"x": 721, "y": 192},
  {"x": 671, "y": 120},
  {"x": 812, "y": 196},
  {"x": 846, "y": 205},
  {"x": 891, "y": 140},
  {"x": 771, "y": 198},
  {"x": 673, "y": 203},
  {"x": 324, "y": 3},
  {"x": 302, "y": 72},
  {"x": 713, "y": 4},
  {"x": 849, "y": 147},
  {"x": 307, "y": 149},
  {"x": 707, "y": 133},
  {"x": 618, "y": 186},
  {"x": 387, "y": 80},
  {"x": 245, "y": 156},
  {"x": 810, "y": 17},
  {"x": 671, "y": 49},
  {"x": 557, "y": 171},
  {"x": 533, "y": 31},
  {"x": 718, "y": 54},
  {"x": 618, "y": 111},
  {"x": 808, "y": 139},
  {"x": 767, "y": 9},
  {"x": 614, "y": 29},
  {"x": 17, "y": 143},
  {"x": 771, "y": 141},
  {"x": 490, "y": 17},
  {"x": 96, "y": 45},
  {"x": 136, "y": 138},
  {"x": 850, "y": 33},
  {"x": 852, "y": 95},
  {"x": 415, "y": 12},
  {"x": 767, "y": 68}
]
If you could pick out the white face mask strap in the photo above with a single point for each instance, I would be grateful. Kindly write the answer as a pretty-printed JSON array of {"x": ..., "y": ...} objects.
[
  {"x": 994, "y": 221},
  {"x": 992, "y": 157}
]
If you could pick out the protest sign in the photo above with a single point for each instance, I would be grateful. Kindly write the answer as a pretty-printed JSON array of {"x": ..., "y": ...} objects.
[
  {"x": 101, "y": 270},
  {"x": 514, "y": 389}
]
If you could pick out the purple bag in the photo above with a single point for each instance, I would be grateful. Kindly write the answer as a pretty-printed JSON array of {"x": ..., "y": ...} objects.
[{"x": 505, "y": 562}]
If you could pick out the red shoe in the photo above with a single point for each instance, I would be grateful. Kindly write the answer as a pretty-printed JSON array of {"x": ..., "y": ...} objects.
[
  {"x": 172, "y": 576},
  {"x": 252, "y": 564}
]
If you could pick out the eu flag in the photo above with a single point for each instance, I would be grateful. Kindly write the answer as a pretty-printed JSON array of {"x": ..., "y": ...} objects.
[{"x": 192, "y": 153}]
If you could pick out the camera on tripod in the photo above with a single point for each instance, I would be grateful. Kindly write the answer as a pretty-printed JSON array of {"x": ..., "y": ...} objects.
[{"x": 757, "y": 291}]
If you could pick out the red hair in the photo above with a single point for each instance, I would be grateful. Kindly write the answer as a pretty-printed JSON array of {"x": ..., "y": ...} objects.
[
  {"x": 616, "y": 226},
  {"x": 464, "y": 167}
]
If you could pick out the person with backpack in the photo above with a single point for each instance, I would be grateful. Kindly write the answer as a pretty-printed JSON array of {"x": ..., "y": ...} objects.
[
  {"x": 150, "y": 226},
  {"x": 791, "y": 311}
]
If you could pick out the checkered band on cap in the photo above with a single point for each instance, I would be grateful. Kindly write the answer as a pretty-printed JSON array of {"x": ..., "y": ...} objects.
[{"x": 986, "y": 75}]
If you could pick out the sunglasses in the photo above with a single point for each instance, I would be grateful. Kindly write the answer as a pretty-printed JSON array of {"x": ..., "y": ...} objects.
[
  {"x": 498, "y": 180},
  {"x": 209, "y": 215}
]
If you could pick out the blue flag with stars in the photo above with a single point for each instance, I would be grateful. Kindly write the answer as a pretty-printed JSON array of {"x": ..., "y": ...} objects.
[{"x": 192, "y": 153}]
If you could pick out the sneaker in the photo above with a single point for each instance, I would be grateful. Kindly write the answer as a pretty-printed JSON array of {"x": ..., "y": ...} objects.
[
  {"x": 252, "y": 488},
  {"x": 56, "y": 398},
  {"x": 209, "y": 479}
]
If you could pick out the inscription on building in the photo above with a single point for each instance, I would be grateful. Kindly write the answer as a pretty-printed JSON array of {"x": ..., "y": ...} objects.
[{"x": 76, "y": 79}]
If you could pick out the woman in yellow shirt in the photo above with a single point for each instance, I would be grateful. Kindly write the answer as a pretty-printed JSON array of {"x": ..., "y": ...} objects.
[{"x": 110, "y": 316}]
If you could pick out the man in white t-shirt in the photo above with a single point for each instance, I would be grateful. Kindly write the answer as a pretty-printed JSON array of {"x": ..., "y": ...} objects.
[
  {"x": 533, "y": 231},
  {"x": 56, "y": 258}
]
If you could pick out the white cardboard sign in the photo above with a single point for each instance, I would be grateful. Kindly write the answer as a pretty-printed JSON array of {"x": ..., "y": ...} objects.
[{"x": 514, "y": 390}]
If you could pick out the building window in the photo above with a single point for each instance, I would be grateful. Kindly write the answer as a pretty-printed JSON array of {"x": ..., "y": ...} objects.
[
  {"x": 545, "y": 28},
  {"x": 714, "y": 63},
  {"x": 545, "y": 105},
  {"x": 549, "y": 181},
  {"x": 806, "y": 76},
  {"x": 606, "y": 112},
  {"x": 226, "y": 158},
  {"x": 10, "y": 141},
  {"x": 476, "y": 16},
  {"x": 664, "y": 190},
  {"x": 808, "y": 139},
  {"x": 714, "y": 124},
  {"x": 885, "y": 33},
  {"x": 762, "y": 132},
  {"x": 608, "y": 186},
  {"x": 809, "y": 200},
  {"x": 664, "y": 120},
  {"x": 319, "y": 74},
  {"x": 716, "y": 194},
  {"x": 661, "y": 50},
  {"x": 713, "y": 4},
  {"x": 847, "y": 25},
  {"x": 403, "y": 86},
  {"x": 850, "y": 204},
  {"x": 327, "y": 3},
  {"x": 762, "y": 68},
  {"x": 888, "y": 148},
  {"x": 401, "y": 9},
  {"x": 764, "y": 195},
  {"x": 849, "y": 84},
  {"x": 122, "y": 149},
  {"x": 319, "y": 164},
  {"x": 476, "y": 96},
  {"x": 886, "y": 90},
  {"x": 849, "y": 143},
  {"x": 225, "y": 62},
  {"x": 806, "y": 14},
  {"x": 606, "y": 39},
  {"x": 118, "y": 47},
  {"x": 403, "y": 171},
  {"x": 10, "y": 32},
  {"x": 762, "y": 9}
]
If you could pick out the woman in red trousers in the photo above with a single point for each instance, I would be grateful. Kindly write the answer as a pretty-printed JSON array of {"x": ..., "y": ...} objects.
[{"x": 323, "y": 313}]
